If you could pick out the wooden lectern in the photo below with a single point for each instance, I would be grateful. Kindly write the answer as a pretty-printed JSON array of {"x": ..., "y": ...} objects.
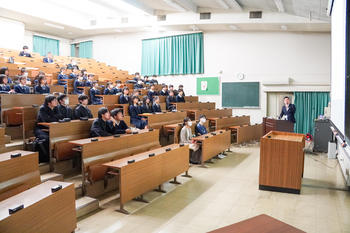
[
  {"x": 271, "y": 124},
  {"x": 281, "y": 161}
]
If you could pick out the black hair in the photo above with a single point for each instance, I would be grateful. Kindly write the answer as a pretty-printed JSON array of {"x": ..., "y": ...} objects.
[
  {"x": 61, "y": 97},
  {"x": 62, "y": 68},
  {"x": 49, "y": 99},
  {"x": 171, "y": 91},
  {"x": 164, "y": 86},
  {"x": 135, "y": 97},
  {"x": 2, "y": 77},
  {"x": 115, "y": 111},
  {"x": 144, "y": 99},
  {"x": 21, "y": 78},
  {"x": 25, "y": 47},
  {"x": 118, "y": 81},
  {"x": 286, "y": 97},
  {"x": 181, "y": 85},
  {"x": 3, "y": 70},
  {"x": 187, "y": 119},
  {"x": 202, "y": 116},
  {"x": 137, "y": 73},
  {"x": 125, "y": 88},
  {"x": 23, "y": 69},
  {"x": 82, "y": 97},
  {"x": 102, "y": 111},
  {"x": 155, "y": 98},
  {"x": 171, "y": 85},
  {"x": 40, "y": 77}
]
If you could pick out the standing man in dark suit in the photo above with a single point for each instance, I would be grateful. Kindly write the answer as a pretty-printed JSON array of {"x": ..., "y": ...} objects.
[{"x": 288, "y": 110}]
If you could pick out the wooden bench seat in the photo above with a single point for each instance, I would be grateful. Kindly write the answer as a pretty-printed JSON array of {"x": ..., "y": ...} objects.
[
  {"x": 193, "y": 105},
  {"x": 209, "y": 113}
]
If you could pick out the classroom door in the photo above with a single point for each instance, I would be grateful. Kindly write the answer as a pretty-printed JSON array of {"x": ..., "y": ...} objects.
[{"x": 275, "y": 102}]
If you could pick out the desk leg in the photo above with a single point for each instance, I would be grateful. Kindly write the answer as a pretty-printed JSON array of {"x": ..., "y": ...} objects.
[
  {"x": 159, "y": 189},
  {"x": 187, "y": 175},
  {"x": 175, "y": 181},
  {"x": 140, "y": 199},
  {"x": 203, "y": 165},
  {"x": 122, "y": 210},
  {"x": 229, "y": 149}
]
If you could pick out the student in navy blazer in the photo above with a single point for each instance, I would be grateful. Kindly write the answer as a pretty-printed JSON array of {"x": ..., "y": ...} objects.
[
  {"x": 109, "y": 89},
  {"x": 118, "y": 87},
  {"x": 200, "y": 128},
  {"x": 152, "y": 93},
  {"x": 4, "y": 87},
  {"x": 93, "y": 92},
  {"x": 288, "y": 110},
  {"x": 62, "y": 77},
  {"x": 42, "y": 87},
  {"x": 48, "y": 58},
  {"x": 5, "y": 71},
  {"x": 25, "y": 52},
  {"x": 146, "y": 105},
  {"x": 73, "y": 74},
  {"x": 134, "y": 111},
  {"x": 156, "y": 106},
  {"x": 180, "y": 97},
  {"x": 22, "y": 88},
  {"x": 124, "y": 98},
  {"x": 78, "y": 85}
]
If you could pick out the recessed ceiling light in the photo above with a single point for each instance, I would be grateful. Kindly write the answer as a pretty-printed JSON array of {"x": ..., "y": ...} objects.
[{"x": 54, "y": 25}]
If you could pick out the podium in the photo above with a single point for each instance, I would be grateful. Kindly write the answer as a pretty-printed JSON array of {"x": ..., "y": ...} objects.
[
  {"x": 281, "y": 162},
  {"x": 271, "y": 124}
]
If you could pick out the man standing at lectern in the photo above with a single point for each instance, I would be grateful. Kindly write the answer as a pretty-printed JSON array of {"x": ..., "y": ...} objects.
[{"x": 288, "y": 110}]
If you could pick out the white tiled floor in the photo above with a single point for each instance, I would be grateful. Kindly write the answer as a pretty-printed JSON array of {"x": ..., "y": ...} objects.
[{"x": 226, "y": 193}]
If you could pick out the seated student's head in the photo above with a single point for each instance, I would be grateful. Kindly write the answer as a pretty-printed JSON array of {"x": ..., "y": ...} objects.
[
  {"x": 181, "y": 87},
  {"x": 4, "y": 70},
  {"x": 118, "y": 83},
  {"x": 202, "y": 119},
  {"x": 42, "y": 80},
  {"x": 83, "y": 72},
  {"x": 39, "y": 74},
  {"x": 136, "y": 93},
  {"x": 25, "y": 49},
  {"x": 135, "y": 100},
  {"x": 63, "y": 99},
  {"x": 50, "y": 101},
  {"x": 74, "y": 70},
  {"x": 3, "y": 79},
  {"x": 22, "y": 80},
  {"x": 104, "y": 114},
  {"x": 90, "y": 76},
  {"x": 49, "y": 55},
  {"x": 146, "y": 78},
  {"x": 125, "y": 91},
  {"x": 171, "y": 93},
  {"x": 171, "y": 87},
  {"x": 95, "y": 85},
  {"x": 62, "y": 70},
  {"x": 154, "y": 76},
  {"x": 137, "y": 75},
  {"x": 165, "y": 88},
  {"x": 156, "y": 99},
  {"x": 146, "y": 100},
  {"x": 109, "y": 86},
  {"x": 187, "y": 122},
  {"x": 83, "y": 99},
  {"x": 117, "y": 114},
  {"x": 23, "y": 71},
  {"x": 181, "y": 92},
  {"x": 80, "y": 77},
  {"x": 152, "y": 87}
]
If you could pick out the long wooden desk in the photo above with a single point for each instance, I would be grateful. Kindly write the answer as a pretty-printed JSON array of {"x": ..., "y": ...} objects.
[
  {"x": 18, "y": 174},
  {"x": 246, "y": 133},
  {"x": 213, "y": 145},
  {"x": 191, "y": 98},
  {"x": 193, "y": 105},
  {"x": 281, "y": 161},
  {"x": 157, "y": 120},
  {"x": 175, "y": 129},
  {"x": 146, "y": 173},
  {"x": 95, "y": 153},
  {"x": 217, "y": 123},
  {"x": 209, "y": 113},
  {"x": 261, "y": 223},
  {"x": 43, "y": 210}
]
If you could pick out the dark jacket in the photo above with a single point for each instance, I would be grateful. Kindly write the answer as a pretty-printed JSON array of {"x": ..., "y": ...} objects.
[
  {"x": 134, "y": 112},
  {"x": 5, "y": 88},
  {"x": 77, "y": 84},
  {"x": 65, "y": 111},
  {"x": 138, "y": 86},
  {"x": 21, "y": 89},
  {"x": 62, "y": 79},
  {"x": 117, "y": 90},
  {"x": 200, "y": 129},
  {"x": 162, "y": 93},
  {"x": 81, "y": 111},
  {"x": 72, "y": 76},
  {"x": 169, "y": 100},
  {"x": 88, "y": 83},
  {"x": 151, "y": 94},
  {"x": 23, "y": 54},
  {"x": 145, "y": 108},
  {"x": 101, "y": 128},
  {"x": 289, "y": 113},
  {"x": 108, "y": 91},
  {"x": 95, "y": 99},
  {"x": 47, "y": 114},
  {"x": 156, "y": 108},
  {"x": 180, "y": 98},
  {"x": 38, "y": 89},
  {"x": 47, "y": 60},
  {"x": 70, "y": 67},
  {"x": 120, "y": 129},
  {"x": 124, "y": 99}
]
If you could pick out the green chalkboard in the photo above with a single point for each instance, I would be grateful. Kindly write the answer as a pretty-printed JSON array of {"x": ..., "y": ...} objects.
[
  {"x": 241, "y": 94},
  {"x": 208, "y": 86}
]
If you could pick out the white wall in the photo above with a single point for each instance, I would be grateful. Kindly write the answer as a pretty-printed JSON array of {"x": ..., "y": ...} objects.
[
  {"x": 261, "y": 56},
  {"x": 15, "y": 35}
]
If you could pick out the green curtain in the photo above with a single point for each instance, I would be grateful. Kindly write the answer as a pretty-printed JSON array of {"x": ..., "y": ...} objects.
[
  {"x": 72, "y": 50},
  {"x": 181, "y": 54},
  {"x": 43, "y": 45},
  {"x": 85, "y": 49},
  {"x": 309, "y": 105}
]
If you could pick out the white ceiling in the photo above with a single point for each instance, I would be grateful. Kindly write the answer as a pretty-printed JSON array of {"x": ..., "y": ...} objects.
[{"x": 81, "y": 18}]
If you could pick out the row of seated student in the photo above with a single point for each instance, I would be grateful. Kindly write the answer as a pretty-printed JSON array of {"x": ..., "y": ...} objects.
[{"x": 22, "y": 87}]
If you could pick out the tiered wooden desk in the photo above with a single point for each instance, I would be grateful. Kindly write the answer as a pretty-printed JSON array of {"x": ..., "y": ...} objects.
[
  {"x": 209, "y": 113},
  {"x": 193, "y": 105},
  {"x": 146, "y": 173},
  {"x": 281, "y": 161},
  {"x": 157, "y": 120}
]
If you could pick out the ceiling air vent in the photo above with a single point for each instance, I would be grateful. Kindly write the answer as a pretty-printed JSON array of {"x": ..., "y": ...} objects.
[
  {"x": 125, "y": 19},
  {"x": 161, "y": 17},
  {"x": 93, "y": 22},
  {"x": 255, "y": 14},
  {"x": 205, "y": 15}
]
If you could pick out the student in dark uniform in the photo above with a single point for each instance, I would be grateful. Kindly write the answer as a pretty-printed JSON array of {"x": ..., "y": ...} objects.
[
  {"x": 171, "y": 98},
  {"x": 109, "y": 89},
  {"x": 152, "y": 93},
  {"x": 78, "y": 85},
  {"x": 81, "y": 110},
  {"x": 156, "y": 106},
  {"x": 90, "y": 81},
  {"x": 22, "y": 87},
  {"x": 73, "y": 74},
  {"x": 180, "y": 97},
  {"x": 5, "y": 71},
  {"x": 84, "y": 74},
  {"x": 164, "y": 91},
  {"x": 181, "y": 88},
  {"x": 24, "y": 73},
  {"x": 124, "y": 98},
  {"x": 63, "y": 106},
  {"x": 48, "y": 112},
  {"x": 62, "y": 78},
  {"x": 118, "y": 87},
  {"x": 146, "y": 80},
  {"x": 25, "y": 52},
  {"x": 95, "y": 100},
  {"x": 146, "y": 105},
  {"x": 134, "y": 111},
  {"x": 48, "y": 58},
  {"x": 120, "y": 127},
  {"x": 200, "y": 128},
  {"x": 171, "y": 88},
  {"x": 4, "y": 87},
  {"x": 154, "y": 80},
  {"x": 72, "y": 64},
  {"x": 102, "y": 126},
  {"x": 42, "y": 87}
]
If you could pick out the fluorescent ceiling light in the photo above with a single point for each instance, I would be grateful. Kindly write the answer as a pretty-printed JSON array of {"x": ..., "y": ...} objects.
[
  {"x": 279, "y": 5},
  {"x": 284, "y": 27},
  {"x": 233, "y": 27},
  {"x": 175, "y": 5},
  {"x": 54, "y": 25},
  {"x": 223, "y": 4}
]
